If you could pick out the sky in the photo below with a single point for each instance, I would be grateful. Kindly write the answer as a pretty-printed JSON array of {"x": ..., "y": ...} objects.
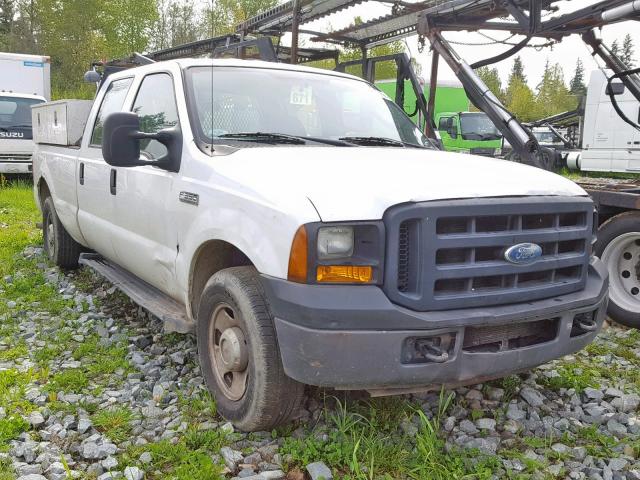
[{"x": 566, "y": 53}]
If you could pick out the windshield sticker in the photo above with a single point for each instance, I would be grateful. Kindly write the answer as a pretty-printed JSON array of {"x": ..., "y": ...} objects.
[{"x": 301, "y": 96}]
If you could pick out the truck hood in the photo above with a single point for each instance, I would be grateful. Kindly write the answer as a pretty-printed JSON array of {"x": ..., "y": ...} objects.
[{"x": 352, "y": 183}]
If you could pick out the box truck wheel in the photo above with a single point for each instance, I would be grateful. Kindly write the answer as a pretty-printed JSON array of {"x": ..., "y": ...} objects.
[
  {"x": 239, "y": 353},
  {"x": 61, "y": 249},
  {"x": 619, "y": 248}
]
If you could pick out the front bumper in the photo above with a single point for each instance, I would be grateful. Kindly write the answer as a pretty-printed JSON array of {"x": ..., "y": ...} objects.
[
  {"x": 16, "y": 167},
  {"x": 353, "y": 337}
]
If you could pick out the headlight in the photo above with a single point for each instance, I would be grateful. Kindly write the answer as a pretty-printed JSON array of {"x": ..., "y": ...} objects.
[
  {"x": 335, "y": 242},
  {"x": 337, "y": 254}
]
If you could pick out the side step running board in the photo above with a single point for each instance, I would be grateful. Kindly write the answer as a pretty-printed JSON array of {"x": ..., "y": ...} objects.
[{"x": 172, "y": 313}]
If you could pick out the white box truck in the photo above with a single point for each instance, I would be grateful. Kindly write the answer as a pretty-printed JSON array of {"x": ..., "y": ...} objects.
[{"x": 25, "y": 80}]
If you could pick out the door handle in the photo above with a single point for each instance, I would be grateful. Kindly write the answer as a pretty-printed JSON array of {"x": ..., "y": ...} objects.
[
  {"x": 112, "y": 181},
  {"x": 81, "y": 173}
]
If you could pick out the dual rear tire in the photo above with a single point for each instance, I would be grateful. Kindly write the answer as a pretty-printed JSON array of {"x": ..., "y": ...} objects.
[{"x": 618, "y": 246}]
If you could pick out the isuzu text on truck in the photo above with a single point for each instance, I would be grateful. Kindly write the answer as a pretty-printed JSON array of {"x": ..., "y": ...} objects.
[
  {"x": 313, "y": 235},
  {"x": 24, "y": 81}
]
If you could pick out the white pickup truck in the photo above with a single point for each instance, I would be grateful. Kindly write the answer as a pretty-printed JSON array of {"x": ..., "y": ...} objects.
[{"x": 301, "y": 225}]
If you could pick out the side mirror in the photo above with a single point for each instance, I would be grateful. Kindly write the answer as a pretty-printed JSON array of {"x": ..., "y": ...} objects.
[
  {"x": 121, "y": 143},
  {"x": 453, "y": 131}
]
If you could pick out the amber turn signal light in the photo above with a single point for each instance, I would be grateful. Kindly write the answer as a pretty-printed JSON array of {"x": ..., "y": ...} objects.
[
  {"x": 344, "y": 274},
  {"x": 298, "y": 257}
]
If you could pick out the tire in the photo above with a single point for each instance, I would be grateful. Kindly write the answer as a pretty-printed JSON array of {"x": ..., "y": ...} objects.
[
  {"x": 618, "y": 246},
  {"x": 61, "y": 249},
  {"x": 235, "y": 332}
]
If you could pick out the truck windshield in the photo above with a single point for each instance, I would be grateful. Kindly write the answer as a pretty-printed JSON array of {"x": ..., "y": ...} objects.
[
  {"x": 15, "y": 117},
  {"x": 478, "y": 126},
  {"x": 232, "y": 105},
  {"x": 547, "y": 138}
]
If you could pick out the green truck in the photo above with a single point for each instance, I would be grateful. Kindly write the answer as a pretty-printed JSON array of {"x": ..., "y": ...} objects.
[{"x": 461, "y": 130}]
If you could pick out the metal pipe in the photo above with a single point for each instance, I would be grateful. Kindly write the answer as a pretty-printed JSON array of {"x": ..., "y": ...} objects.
[
  {"x": 433, "y": 86},
  {"x": 295, "y": 23},
  {"x": 622, "y": 11}
]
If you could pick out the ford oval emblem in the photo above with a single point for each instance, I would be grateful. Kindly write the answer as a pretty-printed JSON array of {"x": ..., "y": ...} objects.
[{"x": 523, "y": 253}]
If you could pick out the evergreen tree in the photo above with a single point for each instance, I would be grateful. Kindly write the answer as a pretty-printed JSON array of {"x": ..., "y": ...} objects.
[
  {"x": 517, "y": 71},
  {"x": 520, "y": 100},
  {"x": 491, "y": 78},
  {"x": 615, "y": 48},
  {"x": 577, "y": 85},
  {"x": 553, "y": 96},
  {"x": 628, "y": 53}
]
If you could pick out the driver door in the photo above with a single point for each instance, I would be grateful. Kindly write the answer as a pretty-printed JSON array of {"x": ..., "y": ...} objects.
[{"x": 146, "y": 238}]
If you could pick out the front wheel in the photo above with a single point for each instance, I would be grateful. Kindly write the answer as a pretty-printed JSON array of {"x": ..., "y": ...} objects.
[
  {"x": 619, "y": 248},
  {"x": 239, "y": 353}
]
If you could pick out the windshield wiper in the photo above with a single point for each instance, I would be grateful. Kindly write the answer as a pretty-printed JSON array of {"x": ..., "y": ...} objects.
[
  {"x": 262, "y": 137},
  {"x": 283, "y": 138},
  {"x": 377, "y": 142}
]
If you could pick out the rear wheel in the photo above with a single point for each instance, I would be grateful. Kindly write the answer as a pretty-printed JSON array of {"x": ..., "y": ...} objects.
[
  {"x": 59, "y": 246},
  {"x": 239, "y": 354},
  {"x": 619, "y": 248}
]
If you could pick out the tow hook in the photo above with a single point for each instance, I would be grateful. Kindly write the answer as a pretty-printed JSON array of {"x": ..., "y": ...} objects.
[
  {"x": 434, "y": 349},
  {"x": 584, "y": 323},
  {"x": 430, "y": 351}
]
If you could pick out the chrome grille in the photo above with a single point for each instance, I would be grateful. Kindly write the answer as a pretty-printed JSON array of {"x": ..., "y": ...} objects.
[{"x": 455, "y": 257}]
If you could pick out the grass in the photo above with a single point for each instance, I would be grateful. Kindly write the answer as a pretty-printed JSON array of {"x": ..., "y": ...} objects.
[
  {"x": 102, "y": 359},
  {"x": 73, "y": 380},
  {"x": 577, "y": 176},
  {"x": 115, "y": 422},
  {"x": 13, "y": 386},
  {"x": 363, "y": 442},
  {"x": 6, "y": 469},
  {"x": 187, "y": 459}
]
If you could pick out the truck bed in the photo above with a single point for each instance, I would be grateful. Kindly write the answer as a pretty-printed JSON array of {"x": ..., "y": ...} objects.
[{"x": 613, "y": 193}]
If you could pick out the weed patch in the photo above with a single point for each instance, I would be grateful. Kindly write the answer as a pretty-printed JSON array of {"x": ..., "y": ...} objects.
[{"x": 115, "y": 422}]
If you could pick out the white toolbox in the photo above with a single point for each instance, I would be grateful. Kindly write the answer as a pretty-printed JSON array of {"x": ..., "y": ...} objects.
[{"x": 61, "y": 122}]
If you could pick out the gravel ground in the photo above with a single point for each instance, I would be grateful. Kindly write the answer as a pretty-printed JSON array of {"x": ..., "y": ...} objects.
[{"x": 94, "y": 389}]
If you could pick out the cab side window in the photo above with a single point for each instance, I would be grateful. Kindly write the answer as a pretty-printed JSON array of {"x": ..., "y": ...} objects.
[
  {"x": 112, "y": 102},
  {"x": 155, "y": 104}
]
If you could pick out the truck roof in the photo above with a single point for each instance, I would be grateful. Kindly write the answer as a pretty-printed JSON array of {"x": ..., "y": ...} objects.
[
  {"x": 9, "y": 93},
  {"x": 24, "y": 56},
  {"x": 232, "y": 62}
]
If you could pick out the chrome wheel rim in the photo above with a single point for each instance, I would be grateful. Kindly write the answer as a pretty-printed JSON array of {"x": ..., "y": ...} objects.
[
  {"x": 622, "y": 258},
  {"x": 228, "y": 351}
]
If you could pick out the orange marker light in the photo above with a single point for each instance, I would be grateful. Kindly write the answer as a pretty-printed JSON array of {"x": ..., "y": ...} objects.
[
  {"x": 298, "y": 257},
  {"x": 344, "y": 274}
]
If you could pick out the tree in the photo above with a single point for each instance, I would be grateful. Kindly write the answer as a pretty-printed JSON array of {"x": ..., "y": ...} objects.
[
  {"x": 553, "y": 96},
  {"x": 628, "y": 52},
  {"x": 577, "y": 85},
  {"x": 491, "y": 77},
  {"x": 615, "y": 48},
  {"x": 520, "y": 100},
  {"x": 517, "y": 71}
]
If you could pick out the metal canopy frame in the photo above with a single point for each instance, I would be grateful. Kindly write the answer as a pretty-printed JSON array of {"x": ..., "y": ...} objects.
[{"x": 529, "y": 21}]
